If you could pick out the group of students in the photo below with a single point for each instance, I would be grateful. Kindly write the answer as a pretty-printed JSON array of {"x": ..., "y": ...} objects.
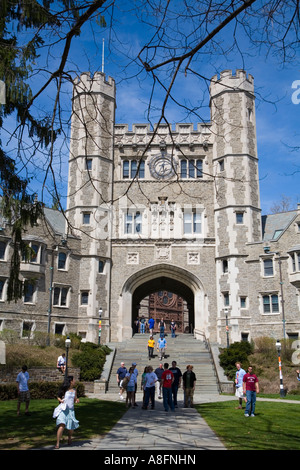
[
  {"x": 164, "y": 380},
  {"x": 143, "y": 326}
]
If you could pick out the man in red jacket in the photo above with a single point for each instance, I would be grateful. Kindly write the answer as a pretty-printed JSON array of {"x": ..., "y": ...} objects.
[{"x": 251, "y": 388}]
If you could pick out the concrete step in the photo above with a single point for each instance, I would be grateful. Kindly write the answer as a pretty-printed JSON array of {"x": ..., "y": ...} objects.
[{"x": 184, "y": 349}]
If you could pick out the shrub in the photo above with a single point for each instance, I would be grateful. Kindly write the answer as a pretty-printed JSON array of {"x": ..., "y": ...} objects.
[
  {"x": 38, "y": 390},
  {"x": 90, "y": 359},
  {"x": 237, "y": 352}
]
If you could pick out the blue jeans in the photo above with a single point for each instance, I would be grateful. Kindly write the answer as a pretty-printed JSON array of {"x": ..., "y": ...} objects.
[
  {"x": 173, "y": 332},
  {"x": 251, "y": 400},
  {"x": 174, "y": 393},
  {"x": 143, "y": 328},
  {"x": 149, "y": 393},
  {"x": 167, "y": 399}
]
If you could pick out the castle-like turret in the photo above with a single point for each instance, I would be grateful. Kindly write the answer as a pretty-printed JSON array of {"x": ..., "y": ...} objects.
[
  {"x": 237, "y": 204},
  {"x": 90, "y": 191}
]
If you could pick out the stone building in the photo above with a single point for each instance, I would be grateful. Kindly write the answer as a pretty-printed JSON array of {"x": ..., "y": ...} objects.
[{"x": 163, "y": 210}]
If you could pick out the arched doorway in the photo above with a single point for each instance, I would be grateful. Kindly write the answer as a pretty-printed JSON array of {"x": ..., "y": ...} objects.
[
  {"x": 165, "y": 295},
  {"x": 156, "y": 278}
]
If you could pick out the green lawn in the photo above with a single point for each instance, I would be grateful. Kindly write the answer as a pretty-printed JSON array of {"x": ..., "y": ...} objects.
[
  {"x": 38, "y": 430},
  {"x": 275, "y": 426}
]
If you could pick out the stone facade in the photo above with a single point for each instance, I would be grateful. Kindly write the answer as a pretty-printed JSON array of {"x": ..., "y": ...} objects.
[{"x": 175, "y": 210}]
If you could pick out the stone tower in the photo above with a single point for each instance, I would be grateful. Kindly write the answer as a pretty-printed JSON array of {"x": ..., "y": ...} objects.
[
  {"x": 237, "y": 203},
  {"x": 90, "y": 190},
  {"x": 163, "y": 211}
]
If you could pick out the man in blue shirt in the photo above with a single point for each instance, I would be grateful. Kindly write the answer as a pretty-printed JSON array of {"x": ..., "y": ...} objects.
[
  {"x": 151, "y": 325},
  {"x": 239, "y": 375},
  {"x": 23, "y": 390},
  {"x": 161, "y": 346}
]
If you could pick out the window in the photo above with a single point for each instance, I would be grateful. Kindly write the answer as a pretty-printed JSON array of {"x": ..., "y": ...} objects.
[
  {"x": 2, "y": 250},
  {"x": 62, "y": 260},
  {"x": 60, "y": 296},
  {"x": 2, "y": 289},
  {"x": 32, "y": 253},
  {"x": 226, "y": 299},
  {"x": 191, "y": 169},
  {"x": 133, "y": 223},
  {"x": 225, "y": 266},
  {"x": 89, "y": 164},
  {"x": 243, "y": 302},
  {"x": 101, "y": 265},
  {"x": 239, "y": 217},
  {"x": 268, "y": 267},
  {"x": 296, "y": 261},
  {"x": 29, "y": 292},
  {"x": 60, "y": 328},
  {"x": 84, "y": 300},
  {"x": 221, "y": 165},
  {"x": 133, "y": 168},
  {"x": 192, "y": 223},
  {"x": 86, "y": 218},
  {"x": 27, "y": 329},
  {"x": 270, "y": 303}
]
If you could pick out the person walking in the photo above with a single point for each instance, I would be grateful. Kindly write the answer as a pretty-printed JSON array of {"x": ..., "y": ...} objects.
[
  {"x": 151, "y": 344},
  {"x": 167, "y": 380},
  {"x": 121, "y": 372},
  {"x": 189, "y": 382},
  {"x": 162, "y": 327},
  {"x": 150, "y": 380},
  {"x": 251, "y": 388},
  {"x": 131, "y": 387},
  {"x": 143, "y": 324},
  {"x": 23, "y": 390},
  {"x": 239, "y": 391},
  {"x": 177, "y": 381},
  {"x": 161, "y": 347},
  {"x": 151, "y": 325},
  {"x": 159, "y": 372},
  {"x": 173, "y": 329},
  {"x": 67, "y": 396}
]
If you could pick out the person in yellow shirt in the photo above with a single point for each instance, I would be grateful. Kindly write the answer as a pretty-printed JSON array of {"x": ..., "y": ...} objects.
[{"x": 151, "y": 344}]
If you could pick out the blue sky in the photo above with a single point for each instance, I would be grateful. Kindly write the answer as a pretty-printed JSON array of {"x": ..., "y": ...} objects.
[{"x": 277, "y": 117}]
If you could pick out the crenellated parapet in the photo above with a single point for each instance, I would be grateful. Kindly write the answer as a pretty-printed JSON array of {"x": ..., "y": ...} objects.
[
  {"x": 163, "y": 134},
  {"x": 97, "y": 83},
  {"x": 228, "y": 82}
]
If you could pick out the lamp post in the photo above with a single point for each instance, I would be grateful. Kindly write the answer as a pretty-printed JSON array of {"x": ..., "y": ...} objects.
[
  {"x": 227, "y": 327},
  {"x": 99, "y": 333},
  {"x": 67, "y": 345},
  {"x": 278, "y": 347}
]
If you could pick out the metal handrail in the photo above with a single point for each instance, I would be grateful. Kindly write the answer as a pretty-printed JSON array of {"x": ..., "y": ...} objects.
[{"x": 207, "y": 344}]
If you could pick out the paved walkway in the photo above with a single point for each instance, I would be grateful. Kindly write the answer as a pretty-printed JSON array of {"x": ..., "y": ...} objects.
[
  {"x": 157, "y": 430},
  {"x": 153, "y": 430}
]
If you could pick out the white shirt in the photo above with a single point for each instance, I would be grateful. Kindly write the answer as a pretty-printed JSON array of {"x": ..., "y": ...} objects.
[{"x": 150, "y": 379}]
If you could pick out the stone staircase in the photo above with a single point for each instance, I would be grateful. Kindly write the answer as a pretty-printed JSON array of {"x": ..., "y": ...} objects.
[{"x": 184, "y": 349}]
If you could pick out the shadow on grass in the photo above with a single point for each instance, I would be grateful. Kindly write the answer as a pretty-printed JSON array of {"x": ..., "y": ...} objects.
[{"x": 39, "y": 428}]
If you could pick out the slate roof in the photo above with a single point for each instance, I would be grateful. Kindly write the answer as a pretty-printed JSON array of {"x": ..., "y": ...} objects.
[{"x": 274, "y": 225}]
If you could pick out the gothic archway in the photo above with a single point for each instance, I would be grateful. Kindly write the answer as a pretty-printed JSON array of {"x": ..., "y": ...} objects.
[
  {"x": 165, "y": 293},
  {"x": 162, "y": 277}
]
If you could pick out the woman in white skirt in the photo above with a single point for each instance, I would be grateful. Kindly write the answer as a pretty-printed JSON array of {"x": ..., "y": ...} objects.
[{"x": 65, "y": 415}]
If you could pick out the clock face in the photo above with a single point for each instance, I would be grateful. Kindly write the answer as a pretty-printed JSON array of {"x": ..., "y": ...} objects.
[{"x": 162, "y": 167}]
